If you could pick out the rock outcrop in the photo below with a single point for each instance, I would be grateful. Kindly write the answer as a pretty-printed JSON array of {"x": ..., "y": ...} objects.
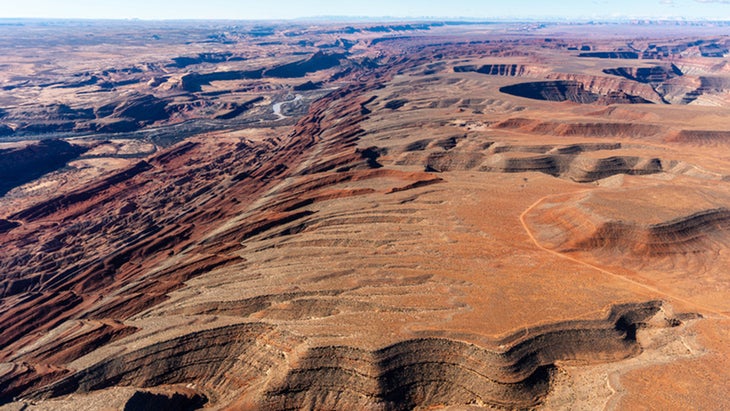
[
  {"x": 629, "y": 55},
  {"x": 21, "y": 165},
  {"x": 407, "y": 238},
  {"x": 436, "y": 371},
  {"x": 319, "y": 61},
  {"x": 567, "y": 90},
  {"x": 505, "y": 70},
  {"x": 651, "y": 75},
  {"x": 677, "y": 229},
  {"x": 193, "y": 82}
]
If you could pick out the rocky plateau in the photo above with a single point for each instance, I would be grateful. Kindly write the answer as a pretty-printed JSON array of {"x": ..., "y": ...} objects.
[{"x": 449, "y": 215}]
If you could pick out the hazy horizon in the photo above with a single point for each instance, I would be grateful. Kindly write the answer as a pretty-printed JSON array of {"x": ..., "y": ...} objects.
[{"x": 716, "y": 10}]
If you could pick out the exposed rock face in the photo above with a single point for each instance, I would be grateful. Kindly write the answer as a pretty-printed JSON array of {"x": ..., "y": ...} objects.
[
  {"x": 703, "y": 137},
  {"x": 664, "y": 84},
  {"x": 593, "y": 129},
  {"x": 6, "y": 225},
  {"x": 60, "y": 112},
  {"x": 192, "y": 82},
  {"x": 80, "y": 264},
  {"x": 415, "y": 240},
  {"x": 206, "y": 356},
  {"x": 608, "y": 86},
  {"x": 611, "y": 55},
  {"x": 652, "y": 75},
  {"x": 233, "y": 110},
  {"x": 507, "y": 70},
  {"x": 552, "y": 91},
  {"x": 157, "y": 93},
  {"x": 307, "y": 86},
  {"x": 19, "y": 166},
  {"x": 680, "y": 235},
  {"x": 319, "y": 61},
  {"x": 566, "y": 90},
  {"x": 677, "y": 232},
  {"x": 185, "y": 61},
  {"x": 145, "y": 109},
  {"x": 62, "y": 202},
  {"x": 685, "y": 234},
  {"x": 432, "y": 372},
  {"x": 581, "y": 163},
  {"x": 713, "y": 50}
]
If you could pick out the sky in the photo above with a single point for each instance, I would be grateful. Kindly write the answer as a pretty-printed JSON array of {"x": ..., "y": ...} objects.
[{"x": 290, "y": 9}]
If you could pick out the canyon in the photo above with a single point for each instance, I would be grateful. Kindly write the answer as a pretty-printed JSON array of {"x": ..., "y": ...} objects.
[{"x": 283, "y": 216}]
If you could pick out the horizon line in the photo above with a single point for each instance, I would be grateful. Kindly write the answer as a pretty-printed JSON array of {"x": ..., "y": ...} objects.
[{"x": 365, "y": 18}]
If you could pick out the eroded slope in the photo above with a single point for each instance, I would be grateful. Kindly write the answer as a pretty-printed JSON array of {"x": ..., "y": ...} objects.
[{"x": 418, "y": 239}]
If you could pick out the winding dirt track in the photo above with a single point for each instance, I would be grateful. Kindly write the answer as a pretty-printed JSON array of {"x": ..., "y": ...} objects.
[{"x": 653, "y": 290}]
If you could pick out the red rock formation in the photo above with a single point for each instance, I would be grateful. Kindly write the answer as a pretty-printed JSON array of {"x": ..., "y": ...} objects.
[{"x": 368, "y": 257}]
